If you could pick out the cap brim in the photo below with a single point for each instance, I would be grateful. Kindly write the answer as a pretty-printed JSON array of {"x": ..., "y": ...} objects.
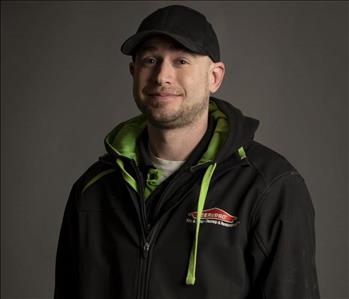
[{"x": 129, "y": 46}]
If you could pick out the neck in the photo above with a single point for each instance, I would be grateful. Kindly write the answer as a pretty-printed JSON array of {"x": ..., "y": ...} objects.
[{"x": 176, "y": 144}]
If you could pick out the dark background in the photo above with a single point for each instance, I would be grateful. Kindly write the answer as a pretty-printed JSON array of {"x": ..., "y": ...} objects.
[{"x": 65, "y": 84}]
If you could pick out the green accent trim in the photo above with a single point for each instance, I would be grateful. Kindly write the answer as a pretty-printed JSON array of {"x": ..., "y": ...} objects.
[
  {"x": 96, "y": 178},
  {"x": 190, "y": 280},
  {"x": 242, "y": 153},
  {"x": 127, "y": 177}
]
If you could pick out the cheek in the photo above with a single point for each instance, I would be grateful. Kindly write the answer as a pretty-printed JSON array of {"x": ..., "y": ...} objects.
[
  {"x": 137, "y": 83},
  {"x": 196, "y": 83},
  {"x": 137, "y": 88},
  {"x": 142, "y": 79},
  {"x": 188, "y": 81}
]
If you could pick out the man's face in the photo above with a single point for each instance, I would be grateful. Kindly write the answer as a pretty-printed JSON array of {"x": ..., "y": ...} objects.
[{"x": 171, "y": 85}]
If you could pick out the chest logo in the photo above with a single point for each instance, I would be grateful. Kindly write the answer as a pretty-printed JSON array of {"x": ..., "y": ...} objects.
[{"x": 214, "y": 216}]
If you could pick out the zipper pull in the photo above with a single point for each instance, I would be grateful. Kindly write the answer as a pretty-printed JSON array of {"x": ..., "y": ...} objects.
[{"x": 146, "y": 247}]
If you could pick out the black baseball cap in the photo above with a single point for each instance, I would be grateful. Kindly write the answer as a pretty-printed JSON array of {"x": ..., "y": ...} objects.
[{"x": 187, "y": 26}]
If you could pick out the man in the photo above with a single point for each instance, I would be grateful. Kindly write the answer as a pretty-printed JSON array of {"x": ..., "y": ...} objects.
[{"x": 185, "y": 204}]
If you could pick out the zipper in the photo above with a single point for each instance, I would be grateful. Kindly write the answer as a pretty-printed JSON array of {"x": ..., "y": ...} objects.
[
  {"x": 146, "y": 243},
  {"x": 143, "y": 269},
  {"x": 146, "y": 248},
  {"x": 145, "y": 263},
  {"x": 147, "y": 251},
  {"x": 139, "y": 204},
  {"x": 139, "y": 181}
]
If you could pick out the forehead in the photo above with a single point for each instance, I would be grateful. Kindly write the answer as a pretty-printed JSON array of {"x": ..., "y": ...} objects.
[{"x": 162, "y": 43}]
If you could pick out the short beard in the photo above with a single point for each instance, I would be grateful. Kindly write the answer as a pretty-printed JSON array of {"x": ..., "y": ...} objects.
[{"x": 181, "y": 119}]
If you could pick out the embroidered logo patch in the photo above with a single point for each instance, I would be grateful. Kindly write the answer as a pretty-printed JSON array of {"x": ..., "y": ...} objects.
[{"x": 214, "y": 216}]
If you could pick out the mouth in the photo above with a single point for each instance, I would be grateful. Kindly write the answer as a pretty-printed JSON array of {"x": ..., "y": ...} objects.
[{"x": 163, "y": 95}]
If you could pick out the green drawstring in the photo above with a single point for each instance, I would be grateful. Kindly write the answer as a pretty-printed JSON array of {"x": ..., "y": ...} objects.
[
  {"x": 190, "y": 280},
  {"x": 202, "y": 198}
]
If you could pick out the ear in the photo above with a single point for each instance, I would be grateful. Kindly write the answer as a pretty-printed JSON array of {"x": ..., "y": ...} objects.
[
  {"x": 216, "y": 74},
  {"x": 132, "y": 68}
]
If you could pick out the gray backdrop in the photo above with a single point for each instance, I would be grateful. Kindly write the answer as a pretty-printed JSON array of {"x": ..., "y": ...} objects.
[{"x": 65, "y": 84}]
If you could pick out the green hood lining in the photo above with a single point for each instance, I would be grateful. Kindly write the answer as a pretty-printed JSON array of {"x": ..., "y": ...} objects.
[{"x": 123, "y": 139}]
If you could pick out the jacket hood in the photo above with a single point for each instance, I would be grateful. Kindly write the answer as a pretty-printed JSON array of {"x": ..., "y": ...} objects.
[
  {"x": 232, "y": 131},
  {"x": 241, "y": 129}
]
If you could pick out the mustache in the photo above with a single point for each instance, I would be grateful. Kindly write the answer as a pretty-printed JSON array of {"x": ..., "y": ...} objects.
[{"x": 162, "y": 91}]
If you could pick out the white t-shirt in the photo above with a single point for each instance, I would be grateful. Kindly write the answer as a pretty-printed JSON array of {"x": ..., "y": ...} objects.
[{"x": 166, "y": 166}]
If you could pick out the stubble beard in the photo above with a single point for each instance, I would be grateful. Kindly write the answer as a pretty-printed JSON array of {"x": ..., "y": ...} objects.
[{"x": 185, "y": 115}]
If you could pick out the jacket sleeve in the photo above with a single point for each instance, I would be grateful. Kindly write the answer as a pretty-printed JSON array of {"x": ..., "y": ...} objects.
[
  {"x": 66, "y": 271},
  {"x": 282, "y": 264}
]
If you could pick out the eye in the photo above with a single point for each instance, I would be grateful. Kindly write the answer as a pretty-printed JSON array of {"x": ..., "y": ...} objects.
[
  {"x": 149, "y": 61},
  {"x": 182, "y": 61}
]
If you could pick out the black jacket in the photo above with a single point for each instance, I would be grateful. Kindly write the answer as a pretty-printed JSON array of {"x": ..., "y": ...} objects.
[{"x": 236, "y": 221}]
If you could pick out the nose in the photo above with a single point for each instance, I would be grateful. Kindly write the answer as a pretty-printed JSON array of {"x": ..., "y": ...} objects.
[{"x": 164, "y": 74}]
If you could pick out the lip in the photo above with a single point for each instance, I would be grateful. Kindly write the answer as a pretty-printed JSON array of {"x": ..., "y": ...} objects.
[{"x": 163, "y": 96}]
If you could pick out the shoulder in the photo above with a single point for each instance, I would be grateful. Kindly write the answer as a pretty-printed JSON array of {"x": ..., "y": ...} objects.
[
  {"x": 285, "y": 192},
  {"x": 93, "y": 172},
  {"x": 269, "y": 164}
]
